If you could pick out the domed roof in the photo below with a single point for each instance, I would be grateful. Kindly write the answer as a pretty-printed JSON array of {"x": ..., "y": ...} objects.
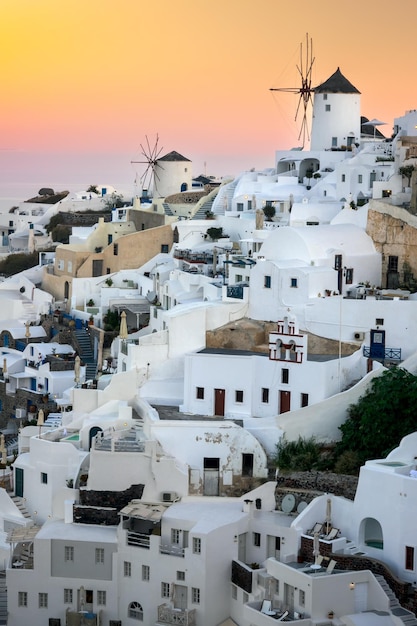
[{"x": 337, "y": 83}]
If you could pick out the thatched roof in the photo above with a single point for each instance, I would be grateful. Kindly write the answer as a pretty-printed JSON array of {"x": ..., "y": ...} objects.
[{"x": 337, "y": 83}]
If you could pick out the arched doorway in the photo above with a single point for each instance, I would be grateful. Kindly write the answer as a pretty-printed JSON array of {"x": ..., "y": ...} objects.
[
  {"x": 372, "y": 533},
  {"x": 93, "y": 432}
]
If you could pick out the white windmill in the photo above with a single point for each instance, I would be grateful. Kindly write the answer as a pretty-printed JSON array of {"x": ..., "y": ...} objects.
[{"x": 150, "y": 177}]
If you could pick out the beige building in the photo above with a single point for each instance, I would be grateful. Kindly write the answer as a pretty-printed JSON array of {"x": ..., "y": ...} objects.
[{"x": 111, "y": 247}]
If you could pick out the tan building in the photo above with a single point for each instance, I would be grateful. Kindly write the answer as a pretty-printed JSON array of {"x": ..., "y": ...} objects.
[{"x": 111, "y": 247}]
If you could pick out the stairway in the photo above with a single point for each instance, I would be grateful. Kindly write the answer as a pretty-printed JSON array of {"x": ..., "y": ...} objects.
[
  {"x": 407, "y": 617},
  {"x": 86, "y": 353},
  {"x": 20, "y": 504},
  {"x": 3, "y": 599}
]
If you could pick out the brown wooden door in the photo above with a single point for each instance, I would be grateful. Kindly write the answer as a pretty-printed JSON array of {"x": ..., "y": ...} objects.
[
  {"x": 284, "y": 401},
  {"x": 219, "y": 398}
]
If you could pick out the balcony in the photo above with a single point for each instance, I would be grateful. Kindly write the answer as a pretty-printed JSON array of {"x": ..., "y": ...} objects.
[
  {"x": 391, "y": 354},
  {"x": 81, "y": 618},
  {"x": 138, "y": 540},
  {"x": 172, "y": 549},
  {"x": 169, "y": 615}
]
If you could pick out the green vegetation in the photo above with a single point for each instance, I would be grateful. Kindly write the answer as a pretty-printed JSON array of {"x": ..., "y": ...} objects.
[
  {"x": 15, "y": 263},
  {"x": 407, "y": 172},
  {"x": 93, "y": 189},
  {"x": 111, "y": 320},
  {"x": 269, "y": 212},
  {"x": 380, "y": 419},
  {"x": 215, "y": 233},
  {"x": 302, "y": 455}
]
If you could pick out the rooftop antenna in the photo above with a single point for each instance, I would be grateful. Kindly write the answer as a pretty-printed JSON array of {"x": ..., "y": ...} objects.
[
  {"x": 305, "y": 69},
  {"x": 150, "y": 177}
]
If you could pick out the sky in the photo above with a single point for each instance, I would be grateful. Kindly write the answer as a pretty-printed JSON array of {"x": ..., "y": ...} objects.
[{"x": 86, "y": 83}]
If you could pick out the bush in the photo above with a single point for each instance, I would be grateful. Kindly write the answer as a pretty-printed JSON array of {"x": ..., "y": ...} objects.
[
  {"x": 15, "y": 263},
  {"x": 302, "y": 455},
  {"x": 269, "y": 212}
]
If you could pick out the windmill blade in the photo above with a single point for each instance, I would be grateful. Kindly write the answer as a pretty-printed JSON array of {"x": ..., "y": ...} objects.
[{"x": 305, "y": 69}]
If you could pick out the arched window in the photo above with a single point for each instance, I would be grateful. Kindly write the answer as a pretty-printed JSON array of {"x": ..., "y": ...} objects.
[{"x": 135, "y": 611}]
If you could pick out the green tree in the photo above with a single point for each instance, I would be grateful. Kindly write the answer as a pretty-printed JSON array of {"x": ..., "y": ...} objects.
[
  {"x": 15, "y": 263},
  {"x": 407, "y": 172},
  {"x": 382, "y": 417},
  {"x": 93, "y": 189},
  {"x": 114, "y": 201},
  {"x": 215, "y": 233},
  {"x": 269, "y": 212}
]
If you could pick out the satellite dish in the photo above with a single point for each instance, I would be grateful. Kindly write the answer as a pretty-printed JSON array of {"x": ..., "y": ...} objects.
[
  {"x": 152, "y": 297},
  {"x": 301, "y": 506},
  {"x": 288, "y": 503}
]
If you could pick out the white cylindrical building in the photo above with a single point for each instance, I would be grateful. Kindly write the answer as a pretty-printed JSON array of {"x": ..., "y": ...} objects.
[
  {"x": 336, "y": 114},
  {"x": 172, "y": 174}
]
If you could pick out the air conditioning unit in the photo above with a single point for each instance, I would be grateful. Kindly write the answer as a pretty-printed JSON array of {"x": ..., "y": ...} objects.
[
  {"x": 20, "y": 413},
  {"x": 359, "y": 336},
  {"x": 169, "y": 496}
]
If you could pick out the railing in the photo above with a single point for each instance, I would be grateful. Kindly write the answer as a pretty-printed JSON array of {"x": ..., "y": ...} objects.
[
  {"x": 118, "y": 445},
  {"x": 235, "y": 291},
  {"x": 172, "y": 549},
  {"x": 138, "y": 540},
  {"x": 393, "y": 354},
  {"x": 169, "y": 615}
]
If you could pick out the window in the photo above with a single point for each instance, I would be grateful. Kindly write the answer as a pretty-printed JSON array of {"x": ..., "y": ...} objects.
[
  {"x": 265, "y": 395},
  {"x": 115, "y": 249},
  {"x": 234, "y": 592},
  {"x": 195, "y": 595},
  {"x": 379, "y": 321},
  {"x": 67, "y": 596},
  {"x": 409, "y": 557},
  {"x": 302, "y": 598},
  {"x": 334, "y": 142},
  {"x": 164, "y": 248},
  {"x": 393, "y": 264},
  {"x": 247, "y": 464},
  {"x": 245, "y": 597},
  {"x": 146, "y": 572},
  {"x": 338, "y": 262},
  {"x": 165, "y": 590},
  {"x": 343, "y": 178},
  {"x": 239, "y": 278},
  {"x": 101, "y": 598},
  {"x": 22, "y": 598},
  {"x": 285, "y": 375},
  {"x": 349, "y": 275},
  {"x": 294, "y": 282},
  {"x": 325, "y": 96},
  {"x": 199, "y": 393},
  {"x": 99, "y": 555},
  {"x": 175, "y": 535},
  {"x": 327, "y": 108},
  {"x": 44, "y": 478},
  {"x": 127, "y": 569},
  {"x": 360, "y": 178},
  {"x": 61, "y": 264},
  {"x": 304, "y": 399},
  {"x": 238, "y": 396},
  {"x": 257, "y": 539},
  {"x": 196, "y": 545},
  {"x": 267, "y": 282},
  {"x": 43, "y": 600},
  {"x": 180, "y": 575},
  {"x": 68, "y": 553},
  {"x": 135, "y": 611},
  {"x": 69, "y": 267},
  {"x": 239, "y": 206},
  {"x": 276, "y": 586}
]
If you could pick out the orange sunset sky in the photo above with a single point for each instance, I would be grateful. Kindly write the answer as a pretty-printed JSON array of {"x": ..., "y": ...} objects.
[{"x": 84, "y": 82}]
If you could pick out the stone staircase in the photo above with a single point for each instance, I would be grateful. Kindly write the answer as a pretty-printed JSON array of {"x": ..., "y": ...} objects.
[
  {"x": 407, "y": 617},
  {"x": 86, "y": 353},
  {"x": 3, "y": 599},
  {"x": 21, "y": 505}
]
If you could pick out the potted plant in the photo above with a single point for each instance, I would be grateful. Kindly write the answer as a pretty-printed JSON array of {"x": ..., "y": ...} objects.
[
  {"x": 330, "y": 614},
  {"x": 90, "y": 302},
  {"x": 108, "y": 282}
]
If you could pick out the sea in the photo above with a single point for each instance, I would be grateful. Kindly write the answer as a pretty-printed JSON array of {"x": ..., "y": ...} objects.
[{"x": 12, "y": 193}]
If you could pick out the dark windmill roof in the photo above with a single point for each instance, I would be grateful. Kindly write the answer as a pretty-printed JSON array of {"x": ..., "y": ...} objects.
[
  {"x": 173, "y": 156},
  {"x": 337, "y": 83}
]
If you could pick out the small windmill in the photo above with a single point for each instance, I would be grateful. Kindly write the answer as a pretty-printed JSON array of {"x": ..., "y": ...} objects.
[
  {"x": 150, "y": 177},
  {"x": 305, "y": 69}
]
